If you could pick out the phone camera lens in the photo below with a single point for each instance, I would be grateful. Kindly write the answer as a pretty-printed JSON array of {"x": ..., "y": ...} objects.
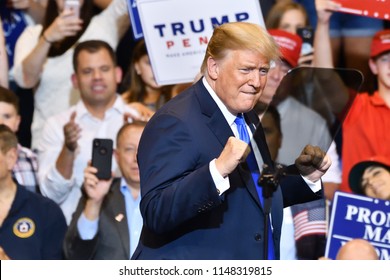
[
  {"x": 96, "y": 143},
  {"x": 103, "y": 151}
]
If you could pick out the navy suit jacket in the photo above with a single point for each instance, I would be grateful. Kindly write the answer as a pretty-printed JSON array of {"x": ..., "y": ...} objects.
[{"x": 184, "y": 216}]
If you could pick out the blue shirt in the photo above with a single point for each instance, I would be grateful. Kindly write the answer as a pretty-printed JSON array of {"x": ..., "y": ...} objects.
[{"x": 88, "y": 229}]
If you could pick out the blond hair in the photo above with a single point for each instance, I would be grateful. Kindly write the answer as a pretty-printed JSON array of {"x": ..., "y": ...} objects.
[{"x": 240, "y": 36}]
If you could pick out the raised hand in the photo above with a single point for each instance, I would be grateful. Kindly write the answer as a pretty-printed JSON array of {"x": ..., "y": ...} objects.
[
  {"x": 306, "y": 60},
  {"x": 72, "y": 133},
  {"x": 312, "y": 163},
  {"x": 325, "y": 8},
  {"x": 96, "y": 190},
  {"x": 145, "y": 113},
  {"x": 234, "y": 152},
  {"x": 65, "y": 25}
]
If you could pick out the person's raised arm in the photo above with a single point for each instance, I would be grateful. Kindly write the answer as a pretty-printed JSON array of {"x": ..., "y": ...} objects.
[
  {"x": 95, "y": 190},
  {"x": 72, "y": 133},
  {"x": 330, "y": 81},
  {"x": 322, "y": 45},
  {"x": 63, "y": 26}
]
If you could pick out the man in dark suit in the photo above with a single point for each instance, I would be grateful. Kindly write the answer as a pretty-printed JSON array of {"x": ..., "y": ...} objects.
[
  {"x": 199, "y": 200},
  {"x": 107, "y": 223}
]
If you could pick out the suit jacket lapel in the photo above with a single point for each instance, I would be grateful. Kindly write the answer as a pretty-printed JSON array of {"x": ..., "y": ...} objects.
[
  {"x": 119, "y": 216},
  {"x": 259, "y": 137},
  {"x": 217, "y": 122},
  {"x": 254, "y": 124}
]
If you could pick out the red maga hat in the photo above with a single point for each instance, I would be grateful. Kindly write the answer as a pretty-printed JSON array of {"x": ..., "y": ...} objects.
[
  {"x": 290, "y": 45},
  {"x": 380, "y": 43}
]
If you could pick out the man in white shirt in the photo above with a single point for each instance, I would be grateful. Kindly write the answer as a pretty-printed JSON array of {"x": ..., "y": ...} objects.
[{"x": 66, "y": 144}]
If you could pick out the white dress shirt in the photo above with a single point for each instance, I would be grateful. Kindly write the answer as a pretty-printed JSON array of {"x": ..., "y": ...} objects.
[
  {"x": 223, "y": 184},
  {"x": 65, "y": 192}
]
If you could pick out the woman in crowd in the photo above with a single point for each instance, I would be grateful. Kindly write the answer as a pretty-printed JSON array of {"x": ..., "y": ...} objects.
[
  {"x": 43, "y": 55},
  {"x": 289, "y": 16},
  {"x": 143, "y": 87}
]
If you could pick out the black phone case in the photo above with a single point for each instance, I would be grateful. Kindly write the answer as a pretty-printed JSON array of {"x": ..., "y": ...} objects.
[
  {"x": 102, "y": 157},
  {"x": 307, "y": 35}
]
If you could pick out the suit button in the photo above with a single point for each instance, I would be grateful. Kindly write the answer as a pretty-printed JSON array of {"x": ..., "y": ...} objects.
[{"x": 257, "y": 236}]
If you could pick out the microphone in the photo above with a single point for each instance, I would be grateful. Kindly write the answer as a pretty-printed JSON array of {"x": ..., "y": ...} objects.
[{"x": 270, "y": 178}]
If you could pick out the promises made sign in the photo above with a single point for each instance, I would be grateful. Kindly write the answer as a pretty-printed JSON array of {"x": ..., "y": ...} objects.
[{"x": 356, "y": 216}]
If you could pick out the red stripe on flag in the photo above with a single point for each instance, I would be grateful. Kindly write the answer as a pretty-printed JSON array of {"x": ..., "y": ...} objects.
[{"x": 302, "y": 226}]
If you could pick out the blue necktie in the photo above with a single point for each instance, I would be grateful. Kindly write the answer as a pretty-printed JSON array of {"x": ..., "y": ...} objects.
[{"x": 252, "y": 164}]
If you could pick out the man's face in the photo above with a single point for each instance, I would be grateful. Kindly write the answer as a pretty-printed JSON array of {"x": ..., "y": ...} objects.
[
  {"x": 126, "y": 153},
  {"x": 9, "y": 116},
  {"x": 96, "y": 77},
  {"x": 275, "y": 76},
  {"x": 239, "y": 79},
  {"x": 376, "y": 182},
  {"x": 7, "y": 163},
  {"x": 381, "y": 67}
]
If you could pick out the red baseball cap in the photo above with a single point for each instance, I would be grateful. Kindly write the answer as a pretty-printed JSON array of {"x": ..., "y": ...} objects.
[
  {"x": 356, "y": 173},
  {"x": 380, "y": 43},
  {"x": 290, "y": 45}
]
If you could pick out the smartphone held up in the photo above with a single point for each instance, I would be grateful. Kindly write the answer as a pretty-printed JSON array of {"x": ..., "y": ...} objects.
[
  {"x": 307, "y": 36},
  {"x": 102, "y": 150},
  {"x": 74, "y": 7}
]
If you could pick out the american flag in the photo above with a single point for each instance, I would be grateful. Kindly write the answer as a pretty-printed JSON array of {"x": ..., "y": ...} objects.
[{"x": 309, "y": 218}]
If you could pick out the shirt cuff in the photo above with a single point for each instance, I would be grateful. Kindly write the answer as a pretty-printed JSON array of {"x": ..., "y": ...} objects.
[
  {"x": 87, "y": 229},
  {"x": 314, "y": 186},
  {"x": 57, "y": 178},
  {"x": 222, "y": 184}
]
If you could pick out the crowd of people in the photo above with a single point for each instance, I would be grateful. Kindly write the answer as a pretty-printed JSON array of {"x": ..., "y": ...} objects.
[{"x": 188, "y": 157}]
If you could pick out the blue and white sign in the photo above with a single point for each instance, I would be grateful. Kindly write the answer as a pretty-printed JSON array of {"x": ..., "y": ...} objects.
[
  {"x": 134, "y": 18},
  {"x": 177, "y": 32},
  {"x": 356, "y": 216}
]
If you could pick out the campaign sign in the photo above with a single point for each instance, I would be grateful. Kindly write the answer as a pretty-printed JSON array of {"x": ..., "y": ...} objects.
[
  {"x": 370, "y": 8},
  {"x": 355, "y": 216},
  {"x": 177, "y": 32},
  {"x": 134, "y": 18}
]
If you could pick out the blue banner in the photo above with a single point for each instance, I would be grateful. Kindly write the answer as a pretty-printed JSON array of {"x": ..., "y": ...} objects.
[
  {"x": 134, "y": 18},
  {"x": 356, "y": 216}
]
